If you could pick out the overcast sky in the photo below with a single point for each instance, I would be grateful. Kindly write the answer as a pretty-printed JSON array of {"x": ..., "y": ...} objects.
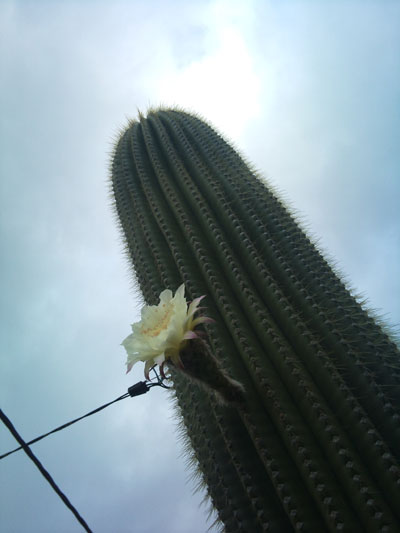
[{"x": 309, "y": 92}]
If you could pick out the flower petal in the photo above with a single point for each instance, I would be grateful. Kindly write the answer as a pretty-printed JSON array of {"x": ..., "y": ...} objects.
[
  {"x": 190, "y": 335},
  {"x": 162, "y": 370},
  {"x": 194, "y": 305},
  {"x": 166, "y": 296},
  {"x": 129, "y": 366},
  {"x": 202, "y": 320},
  {"x": 159, "y": 359},
  {"x": 163, "y": 330},
  {"x": 147, "y": 367}
]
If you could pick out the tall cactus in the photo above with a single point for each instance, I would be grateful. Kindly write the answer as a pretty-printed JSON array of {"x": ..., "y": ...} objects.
[{"x": 316, "y": 445}]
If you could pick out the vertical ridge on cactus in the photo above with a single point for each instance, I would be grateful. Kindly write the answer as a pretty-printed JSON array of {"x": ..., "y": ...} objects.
[{"x": 316, "y": 447}]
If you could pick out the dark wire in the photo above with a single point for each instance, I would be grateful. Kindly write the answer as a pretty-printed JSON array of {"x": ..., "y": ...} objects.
[
  {"x": 135, "y": 390},
  {"x": 59, "y": 428},
  {"x": 43, "y": 471}
]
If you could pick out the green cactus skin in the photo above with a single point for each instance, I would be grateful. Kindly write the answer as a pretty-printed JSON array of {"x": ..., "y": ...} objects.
[{"x": 317, "y": 446}]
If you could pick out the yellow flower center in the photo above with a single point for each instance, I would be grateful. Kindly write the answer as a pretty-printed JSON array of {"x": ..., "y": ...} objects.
[{"x": 161, "y": 322}]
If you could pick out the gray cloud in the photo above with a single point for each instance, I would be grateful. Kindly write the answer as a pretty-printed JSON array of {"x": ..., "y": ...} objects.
[{"x": 328, "y": 117}]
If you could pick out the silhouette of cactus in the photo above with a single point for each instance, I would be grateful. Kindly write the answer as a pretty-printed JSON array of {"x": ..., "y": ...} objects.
[{"x": 316, "y": 445}]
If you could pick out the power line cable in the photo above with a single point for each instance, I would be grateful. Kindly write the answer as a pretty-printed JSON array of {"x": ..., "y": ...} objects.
[
  {"x": 7, "y": 422},
  {"x": 63, "y": 426},
  {"x": 135, "y": 390}
]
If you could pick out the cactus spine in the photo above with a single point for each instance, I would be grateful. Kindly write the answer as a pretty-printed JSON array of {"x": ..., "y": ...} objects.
[{"x": 316, "y": 447}]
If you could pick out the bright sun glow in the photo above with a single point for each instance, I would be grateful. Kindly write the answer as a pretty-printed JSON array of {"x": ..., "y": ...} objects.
[{"x": 222, "y": 86}]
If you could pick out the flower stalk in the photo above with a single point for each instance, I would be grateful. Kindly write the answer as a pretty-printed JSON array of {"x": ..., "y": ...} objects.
[{"x": 199, "y": 364}]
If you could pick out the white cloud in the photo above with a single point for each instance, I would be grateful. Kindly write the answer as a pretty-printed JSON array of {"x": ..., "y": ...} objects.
[{"x": 222, "y": 85}]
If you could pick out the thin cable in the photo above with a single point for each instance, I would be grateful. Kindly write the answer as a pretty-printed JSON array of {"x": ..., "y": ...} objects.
[
  {"x": 59, "y": 428},
  {"x": 135, "y": 390},
  {"x": 43, "y": 471}
]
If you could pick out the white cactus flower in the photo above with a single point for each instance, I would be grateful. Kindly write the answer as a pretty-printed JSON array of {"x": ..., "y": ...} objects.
[{"x": 163, "y": 331}]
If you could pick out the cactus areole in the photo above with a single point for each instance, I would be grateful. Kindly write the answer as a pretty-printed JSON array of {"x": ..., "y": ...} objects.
[{"x": 315, "y": 444}]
